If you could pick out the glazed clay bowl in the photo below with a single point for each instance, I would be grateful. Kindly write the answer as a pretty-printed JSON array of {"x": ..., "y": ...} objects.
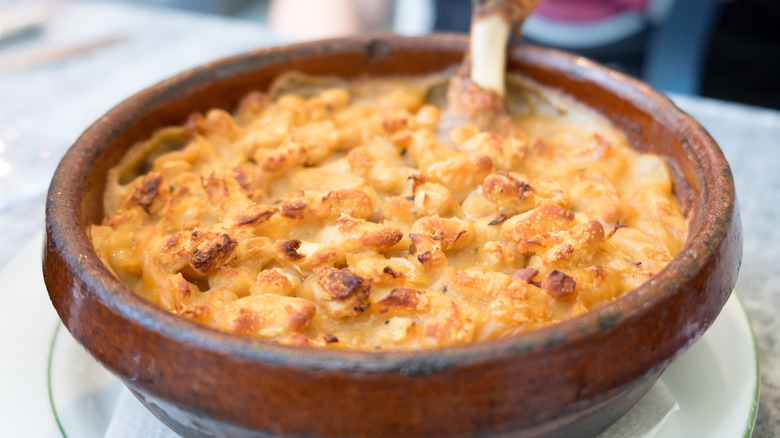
[{"x": 572, "y": 379}]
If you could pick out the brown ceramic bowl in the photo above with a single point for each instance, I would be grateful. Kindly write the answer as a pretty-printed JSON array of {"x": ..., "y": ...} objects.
[{"x": 573, "y": 379}]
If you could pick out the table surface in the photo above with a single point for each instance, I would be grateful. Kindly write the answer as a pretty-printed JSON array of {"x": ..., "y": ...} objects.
[{"x": 91, "y": 55}]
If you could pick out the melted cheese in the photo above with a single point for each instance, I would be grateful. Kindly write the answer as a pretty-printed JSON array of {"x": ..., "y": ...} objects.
[{"x": 345, "y": 219}]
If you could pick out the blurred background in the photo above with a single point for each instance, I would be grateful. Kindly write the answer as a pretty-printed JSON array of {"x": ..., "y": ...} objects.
[
  {"x": 91, "y": 54},
  {"x": 725, "y": 49},
  {"x": 64, "y": 63}
]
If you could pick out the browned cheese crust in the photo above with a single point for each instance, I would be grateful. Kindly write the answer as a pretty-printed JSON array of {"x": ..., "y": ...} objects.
[{"x": 350, "y": 219}]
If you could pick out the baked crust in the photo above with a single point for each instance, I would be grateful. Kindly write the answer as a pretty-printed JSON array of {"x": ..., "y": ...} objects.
[{"x": 343, "y": 218}]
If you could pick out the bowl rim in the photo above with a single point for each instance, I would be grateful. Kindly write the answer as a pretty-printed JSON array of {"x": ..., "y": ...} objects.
[{"x": 68, "y": 234}]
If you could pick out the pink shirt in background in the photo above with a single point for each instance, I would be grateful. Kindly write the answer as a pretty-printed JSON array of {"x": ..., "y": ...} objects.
[
  {"x": 578, "y": 11},
  {"x": 591, "y": 23}
]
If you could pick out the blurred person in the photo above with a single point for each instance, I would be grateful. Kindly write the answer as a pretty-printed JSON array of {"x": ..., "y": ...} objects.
[
  {"x": 315, "y": 19},
  {"x": 611, "y": 31},
  {"x": 664, "y": 42}
]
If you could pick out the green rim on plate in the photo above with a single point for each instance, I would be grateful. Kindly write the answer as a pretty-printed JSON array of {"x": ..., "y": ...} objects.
[
  {"x": 48, "y": 380},
  {"x": 748, "y": 430}
]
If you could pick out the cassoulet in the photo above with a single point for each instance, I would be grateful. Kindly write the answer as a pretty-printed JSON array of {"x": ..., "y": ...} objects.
[{"x": 350, "y": 215}]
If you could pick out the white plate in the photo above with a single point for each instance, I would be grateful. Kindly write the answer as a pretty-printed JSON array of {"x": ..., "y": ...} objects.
[{"x": 50, "y": 387}]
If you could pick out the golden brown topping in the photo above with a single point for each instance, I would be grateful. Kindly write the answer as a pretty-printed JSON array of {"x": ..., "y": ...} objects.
[
  {"x": 398, "y": 209},
  {"x": 274, "y": 281},
  {"x": 596, "y": 148},
  {"x": 381, "y": 270},
  {"x": 340, "y": 292},
  {"x": 146, "y": 190},
  {"x": 427, "y": 116},
  {"x": 500, "y": 219},
  {"x": 389, "y": 271},
  {"x": 320, "y": 255},
  {"x": 268, "y": 315},
  {"x": 206, "y": 307},
  {"x": 195, "y": 125},
  {"x": 353, "y": 202},
  {"x": 401, "y": 98},
  {"x": 461, "y": 174},
  {"x": 255, "y": 214},
  {"x": 229, "y": 278},
  {"x": 341, "y": 284},
  {"x": 463, "y": 133},
  {"x": 183, "y": 288},
  {"x": 297, "y": 340},
  {"x": 330, "y": 338},
  {"x": 497, "y": 256},
  {"x": 431, "y": 199},
  {"x": 472, "y": 104},
  {"x": 403, "y": 300},
  {"x": 520, "y": 304},
  {"x": 452, "y": 325},
  {"x": 393, "y": 124},
  {"x": 418, "y": 179},
  {"x": 397, "y": 329},
  {"x": 510, "y": 195},
  {"x": 598, "y": 200},
  {"x": 253, "y": 253},
  {"x": 401, "y": 139},
  {"x": 432, "y": 258},
  {"x": 587, "y": 238},
  {"x": 432, "y": 236},
  {"x": 216, "y": 188},
  {"x": 212, "y": 250},
  {"x": 547, "y": 218},
  {"x": 294, "y": 208},
  {"x": 335, "y": 98},
  {"x": 361, "y": 160},
  {"x": 360, "y": 233},
  {"x": 506, "y": 153},
  {"x": 318, "y": 138},
  {"x": 252, "y": 105},
  {"x": 446, "y": 234},
  {"x": 289, "y": 249},
  {"x": 526, "y": 274},
  {"x": 284, "y": 158},
  {"x": 217, "y": 126},
  {"x": 355, "y": 218},
  {"x": 478, "y": 283},
  {"x": 557, "y": 254},
  {"x": 597, "y": 274},
  {"x": 559, "y": 285}
]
